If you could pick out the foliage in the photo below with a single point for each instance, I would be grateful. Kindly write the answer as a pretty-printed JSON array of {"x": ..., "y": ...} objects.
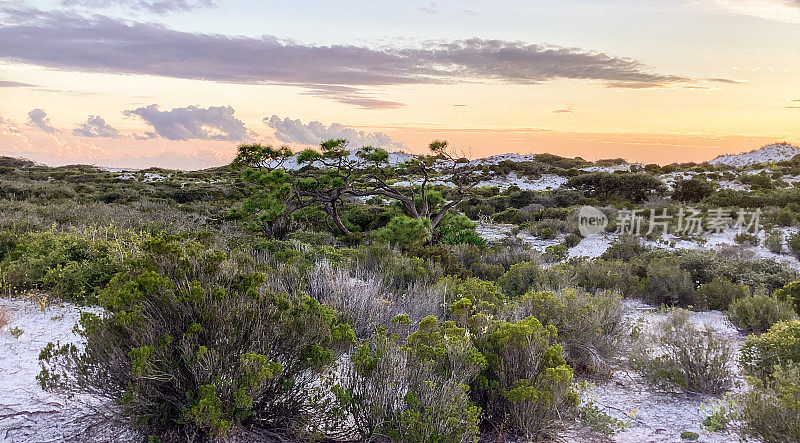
[
  {"x": 720, "y": 413},
  {"x": 666, "y": 283},
  {"x": 192, "y": 349},
  {"x": 770, "y": 411},
  {"x": 720, "y": 292},
  {"x": 520, "y": 278},
  {"x": 693, "y": 190},
  {"x": 678, "y": 354},
  {"x": 780, "y": 345},
  {"x": 72, "y": 265},
  {"x": 458, "y": 229},
  {"x": 404, "y": 231},
  {"x": 790, "y": 293},
  {"x": 607, "y": 186},
  {"x": 759, "y": 312},
  {"x": 412, "y": 392},
  {"x": 525, "y": 386},
  {"x": 589, "y": 326}
]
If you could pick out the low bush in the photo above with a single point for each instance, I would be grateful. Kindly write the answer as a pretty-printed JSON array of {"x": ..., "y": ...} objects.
[
  {"x": 791, "y": 294},
  {"x": 794, "y": 244},
  {"x": 770, "y": 411},
  {"x": 589, "y": 326},
  {"x": 780, "y": 345},
  {"x": 520, "y": 278},
  {"x": 417, "y": 391},
  {"x": 758, "y": 313},
  {"x": 679, "y": 354},
  {"x": 774, "y": 242},
  {"x": 746, "y": 238},
  {"x": 667, "y": 284},
  {"x": 5, "y": 318},
  {"x": 403, "y": 231},
  {"x": 525, "y": 387},
  {"x": 720, "y": 292},
  {"x": 201, "y": 353},
  {"x": 72, "y": 265}
]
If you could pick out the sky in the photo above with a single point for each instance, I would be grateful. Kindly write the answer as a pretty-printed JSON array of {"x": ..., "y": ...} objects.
[{"x": 181, "y": 83}]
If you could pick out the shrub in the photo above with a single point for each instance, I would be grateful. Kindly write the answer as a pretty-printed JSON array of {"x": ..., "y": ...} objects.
[
  {"x": 720, "y": 413},
  {"x": 603, "y": 185},
  {"x": 794, "y": 244},
  {"x": 458, "y": 230},
  {"x": 589, "y": 326},
  {"x": 677, "y": 353},
  {"x": 572, "y": 240},
  {"x": 746, "y": 238},
  {"x": 520, "y": 278},
  {"x": 417, "y": 391},
  {"x": 555, "y": 253},
  {"x": 668, "y": 284},
  {"x": 404, "y": 231},
  {"x": 202, "y": 354},
  {"x": 790, "y": 293},
  {"x": 624, "y": 247},
  {"x": 770, "y": 411},
  {"x": 526, "y": 385},
  {"x": 774, "y": 242},
  {"x": 759, "y": 312},
  {"x": 692, "y": 190},
  {"x": 73, "y": 266},
  {"x": 720, "y": 292},
  {"x": 780, "y": 345}
]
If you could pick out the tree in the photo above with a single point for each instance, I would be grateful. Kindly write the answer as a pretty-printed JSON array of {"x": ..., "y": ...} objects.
[{"x": 334, "y": 173}]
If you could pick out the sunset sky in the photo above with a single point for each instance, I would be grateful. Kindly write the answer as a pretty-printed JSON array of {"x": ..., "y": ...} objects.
[{"x": 180, "y": 83}]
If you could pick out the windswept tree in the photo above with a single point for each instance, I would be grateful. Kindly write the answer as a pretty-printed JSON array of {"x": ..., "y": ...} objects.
[{"x": 333, "y": 174}]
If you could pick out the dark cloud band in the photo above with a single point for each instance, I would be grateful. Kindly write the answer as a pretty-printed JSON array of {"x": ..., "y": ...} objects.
[{"x": 65, "y": 40}]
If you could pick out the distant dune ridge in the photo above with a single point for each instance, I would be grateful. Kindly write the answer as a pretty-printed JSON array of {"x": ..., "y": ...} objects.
[{"x": 767, "y": 154}]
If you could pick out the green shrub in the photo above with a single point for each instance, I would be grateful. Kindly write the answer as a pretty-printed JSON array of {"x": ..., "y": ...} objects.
[
  {"x": 790, "y": 293},
  {"x": 458, "y": 229},
  {"x": 693, "y": 190},
  {"x": 572, "y": 240},
  {"x": 589, "y": 326},
  {"x": 770, "y": 410},
  {"x": 794, "y": 244},
  {"x": 720, "y": 413},
  {"x": 417, "y": 391},
  {"x": 404, "y": 231},
  {"x": 746, "y": 238},
  {"x": 780, "y": 345},
  {"x": 201, "y": 354},
  {"x": 526, "y": 385},
  {"x": 774, "y": 242},
  {"x": 520, "y": 278},
  {"x": 677, "y": 353},
  {"x": 720, "y": 292},
  {"x": 666, "y": 283},
  {"x": 759, "y": 312},
  {"x": 73, "y": 266}
]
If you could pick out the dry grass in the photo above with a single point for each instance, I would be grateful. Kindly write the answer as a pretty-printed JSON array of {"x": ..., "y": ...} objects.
[{"x": 5, "y": 318}]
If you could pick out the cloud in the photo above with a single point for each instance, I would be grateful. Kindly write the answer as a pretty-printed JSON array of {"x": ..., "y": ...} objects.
[
  {"x": 65, "y": 40},
  {"x": 10, "y": 84},
  {"x": 193, "y": 122},
  {"x": 154, "y": 6},
  {"x": 38, "y": 118},
  {"x": 95, "y": 126},
  {"x": 777, "y": 10},
  {"x": 312, "y": 133}
]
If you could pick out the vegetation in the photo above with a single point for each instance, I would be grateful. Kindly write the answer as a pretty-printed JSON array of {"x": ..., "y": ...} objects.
[{"x": 352, "y": 298}]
